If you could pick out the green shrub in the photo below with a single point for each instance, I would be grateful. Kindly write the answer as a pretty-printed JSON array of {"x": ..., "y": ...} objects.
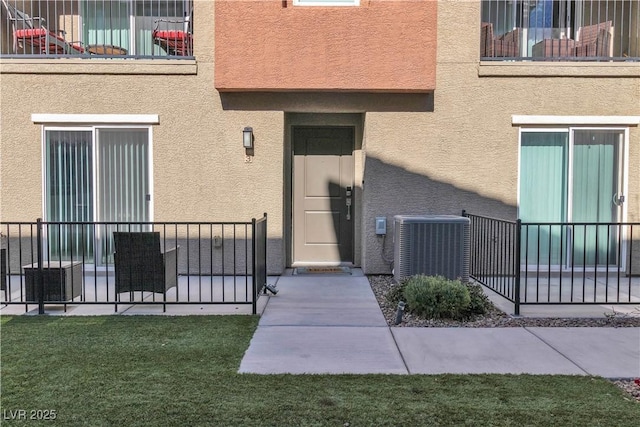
[
  {"x": 479, "y": 303},
  {"x": 436, "y": 297}
]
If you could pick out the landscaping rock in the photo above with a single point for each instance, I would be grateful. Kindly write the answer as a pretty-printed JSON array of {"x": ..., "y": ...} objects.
[{"x": 495, "y": 318}]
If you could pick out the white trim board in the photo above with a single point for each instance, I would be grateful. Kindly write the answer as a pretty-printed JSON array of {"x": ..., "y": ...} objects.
[
  {"x": 575, "y": 120},
  {"x": 326, "y": 2},
  {"x": 148, "y": 119}
]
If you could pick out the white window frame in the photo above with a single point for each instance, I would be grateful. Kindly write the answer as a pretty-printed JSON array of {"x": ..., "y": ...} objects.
[
  {"x": 92, "y": 123},
  {"x": 536, "y": 124},
  {"x": 326, "y": 3},
  {"x": 95, "y": 157},
  {"x": 520, "y": 120},
  {"x": 95, "y": 119},
  {"x": 570, "y": 136}
]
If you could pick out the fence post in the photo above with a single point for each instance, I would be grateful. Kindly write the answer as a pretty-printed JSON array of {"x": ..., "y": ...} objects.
[
  {"x": 254, "y": 267},
  {"x": 40, "y": 274},
  {"x": 264, "y": 251},
  {"x": 516, "y": 266}
]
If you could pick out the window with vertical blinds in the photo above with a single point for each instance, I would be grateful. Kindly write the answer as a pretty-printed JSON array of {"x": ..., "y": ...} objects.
[
  {"x": 571, "y": 176},
  {"x": 543, "y": 192},
  {"x": 96, "y": 174},
  {"x": 122, "y": 172},
  {"x": 69, "y": 191},
  {"x": 123, "y": 183}
]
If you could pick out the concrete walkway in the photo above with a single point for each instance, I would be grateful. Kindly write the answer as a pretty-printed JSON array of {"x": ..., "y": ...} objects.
[{"x": 332, "y": 324}]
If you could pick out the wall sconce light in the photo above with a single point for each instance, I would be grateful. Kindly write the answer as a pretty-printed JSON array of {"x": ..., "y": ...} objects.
[{"x": 247, "y": 137}]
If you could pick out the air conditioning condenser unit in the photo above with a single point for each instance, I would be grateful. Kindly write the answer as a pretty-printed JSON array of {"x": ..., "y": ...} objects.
[{"x": 433, "y": 245}]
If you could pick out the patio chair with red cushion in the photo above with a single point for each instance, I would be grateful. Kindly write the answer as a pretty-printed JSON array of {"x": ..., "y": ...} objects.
[
  {"x": 30, "y": 32},
  {"x": 176, "y": 42}
]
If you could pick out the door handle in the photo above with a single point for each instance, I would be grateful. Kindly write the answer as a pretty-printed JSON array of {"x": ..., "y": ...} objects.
[
  {"x": 618, "y": 200},
  {"x": 348, "y": 201}
]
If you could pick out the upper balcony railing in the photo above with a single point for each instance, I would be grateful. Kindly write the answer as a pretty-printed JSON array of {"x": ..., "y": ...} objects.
[
  {"x": 560, "y": 30},
  {"x": 151, "y": 29}
]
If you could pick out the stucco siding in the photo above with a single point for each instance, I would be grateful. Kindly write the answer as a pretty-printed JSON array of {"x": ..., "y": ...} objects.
[
  {"x": 416, "y": 153},
  {"x": 464, "y": 153},
  {"x": 379, "y": 45},
  {"x": 200, "y": 168}
]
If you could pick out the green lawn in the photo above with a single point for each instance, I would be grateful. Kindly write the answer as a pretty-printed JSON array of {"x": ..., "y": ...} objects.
[{"x": 148, "y": 370}]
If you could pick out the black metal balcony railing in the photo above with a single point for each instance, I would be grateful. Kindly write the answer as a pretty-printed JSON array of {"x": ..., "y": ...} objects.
[
  {"x": 556, "y": 263},
  {"x": 560, "y": 30},
  {"x": 97, "y": 28},
  {"x": 75, "y": 263}
]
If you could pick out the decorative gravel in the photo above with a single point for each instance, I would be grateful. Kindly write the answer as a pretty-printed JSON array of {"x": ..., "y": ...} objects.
[
  {"x": 632, "y": 387},
  {"x": 495, "y": 318}
]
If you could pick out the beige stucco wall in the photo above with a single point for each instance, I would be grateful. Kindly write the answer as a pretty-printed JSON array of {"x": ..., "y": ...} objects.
[
  {"x": 200, "y": 172},
  {"x": 421, "y": 153},
  {"x": 464, "y": 154}
]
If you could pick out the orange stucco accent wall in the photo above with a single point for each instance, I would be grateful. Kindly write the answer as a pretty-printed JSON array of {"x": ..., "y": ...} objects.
[{"x": 272, "y": 45}]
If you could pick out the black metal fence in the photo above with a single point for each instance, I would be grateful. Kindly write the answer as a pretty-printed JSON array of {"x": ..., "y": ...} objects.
[
  {"x": 259, "y": 258},
  {"x": 73, "y": 263},
  {"x": 555, "y": 262}
]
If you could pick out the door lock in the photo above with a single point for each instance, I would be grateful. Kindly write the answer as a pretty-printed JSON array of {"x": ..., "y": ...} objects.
[
  {"x": 348, "y": 202},
  {"x": 618, "y": 200}
]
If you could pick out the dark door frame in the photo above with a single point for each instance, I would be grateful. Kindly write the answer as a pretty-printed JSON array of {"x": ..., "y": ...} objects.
[
  {"x": 294, "y": 120},
  {"x": 343, "y": 225}
]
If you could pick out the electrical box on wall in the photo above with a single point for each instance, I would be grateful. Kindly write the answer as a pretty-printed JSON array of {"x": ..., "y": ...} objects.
[{"x": 381, "y": 225}]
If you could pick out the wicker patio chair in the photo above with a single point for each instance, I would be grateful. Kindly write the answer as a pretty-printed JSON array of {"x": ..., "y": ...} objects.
[
  {"x": 595, "y": 40},
  {"x": 506, "y": 45},
  {"x": 141, "y": 266}
]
